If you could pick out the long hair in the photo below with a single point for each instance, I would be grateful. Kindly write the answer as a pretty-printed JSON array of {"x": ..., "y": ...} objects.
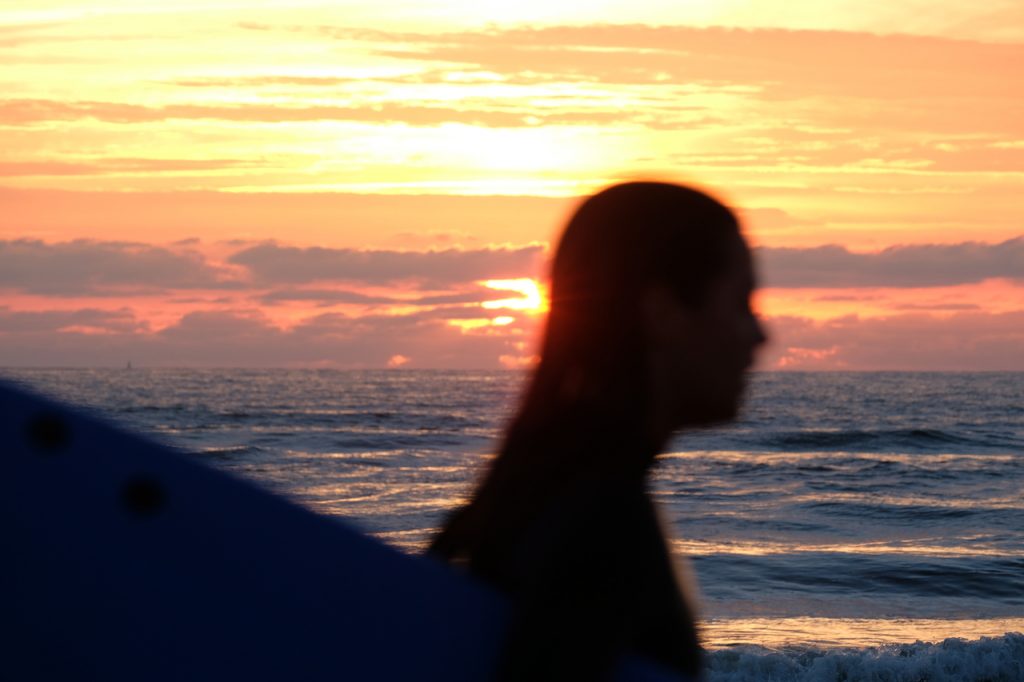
[{"x": 583, "y": 413}]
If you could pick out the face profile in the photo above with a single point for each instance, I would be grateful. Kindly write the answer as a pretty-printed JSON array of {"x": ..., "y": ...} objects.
[
  {"x": 650, "y": 322},
  {"x": 650, "y": 330},
  {"x": 700, "y": 354}
]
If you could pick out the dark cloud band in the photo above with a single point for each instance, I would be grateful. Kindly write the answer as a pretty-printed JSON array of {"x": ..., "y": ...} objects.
[
  {"x": 430, "y": 269},
  {"x": 281, "y": 273},
  {"x": 86, "y": 267},
  {"x": 925, "y": 265}
]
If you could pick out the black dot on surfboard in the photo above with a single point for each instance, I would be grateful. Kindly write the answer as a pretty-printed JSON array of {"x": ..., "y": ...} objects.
[
  {"x": 48, "y": 432},
  {"x": 143, "y": 496}
]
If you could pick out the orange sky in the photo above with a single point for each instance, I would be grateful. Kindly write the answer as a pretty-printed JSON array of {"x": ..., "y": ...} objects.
[{"x": 332, "y": 184}]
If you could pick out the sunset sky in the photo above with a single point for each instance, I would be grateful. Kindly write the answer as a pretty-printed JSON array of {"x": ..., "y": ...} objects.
[{"x": 371, "y": 184}]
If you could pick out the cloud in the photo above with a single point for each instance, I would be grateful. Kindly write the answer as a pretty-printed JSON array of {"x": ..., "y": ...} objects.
[
  {"x": 969, "y": 341},
  {"x": 999, "y": 21},
  {"x": 790, "y": 148},
  {"x": 924, "y": 265},
  {"x": 100, "y": 166},
  {"x": 938, "y": 306},
  {"x": 110, "y": 268},
  {"x": 445, "y": 288},
  {"x": 245, "y": 338},
  {"x": 85, "y": 320},
  {"x": 767, "y": 219},
  {"x": 784, "y": 63},
  {"x": 265, "y": 81},
  {"x": 329, "y": 218},
  {"x": 856, "y": 80},
  {"x": 918, "y": 83},
  {"x": 431, "y": 76},
  {"x": 275, "y": 273},
  {"x": 485, "y": 113},
  {"x": 397, "y": 360},
  {"x": 324, "y": 297},
  {"x": 430, "y": 269},
  {"x": 18, "y": 34},
  {"x": 86, "y": 267}
]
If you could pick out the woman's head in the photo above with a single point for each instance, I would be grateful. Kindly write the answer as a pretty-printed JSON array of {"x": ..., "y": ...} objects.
[
  {"x": 649, "y": 301},
  {"x": 649, "y": 329}
]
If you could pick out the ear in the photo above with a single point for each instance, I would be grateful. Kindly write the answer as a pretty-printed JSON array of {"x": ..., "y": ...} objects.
[
  {"x": 662, "y": 313},
  {"x": 655, "y": 301}
]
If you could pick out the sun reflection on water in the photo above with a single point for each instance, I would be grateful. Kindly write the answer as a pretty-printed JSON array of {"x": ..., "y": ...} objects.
[{"x": 848, "y": 632}]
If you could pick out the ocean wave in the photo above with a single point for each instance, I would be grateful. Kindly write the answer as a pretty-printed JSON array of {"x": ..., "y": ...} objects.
[
  {"x": 988, "y": 659},
  {"x": 793, "y": 438},
  {"x": 883, "y": 440},
  {"x": 231, "y": 451},
  {"x": 916, "y": 513},
  {"x": 840, "y": 575}
]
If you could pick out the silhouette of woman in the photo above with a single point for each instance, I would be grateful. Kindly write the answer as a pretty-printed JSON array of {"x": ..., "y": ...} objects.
[{"x": 650, "y": 330}]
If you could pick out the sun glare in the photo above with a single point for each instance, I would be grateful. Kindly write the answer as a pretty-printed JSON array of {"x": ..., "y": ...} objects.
[{"x": 532, "y": 300}]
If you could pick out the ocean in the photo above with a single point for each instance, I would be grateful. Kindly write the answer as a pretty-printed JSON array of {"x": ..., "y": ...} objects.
[{"x": 849, "y": 526}]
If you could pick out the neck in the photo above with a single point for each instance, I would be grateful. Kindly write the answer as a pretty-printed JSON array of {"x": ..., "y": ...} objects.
[{"x": 659, "y": 427}]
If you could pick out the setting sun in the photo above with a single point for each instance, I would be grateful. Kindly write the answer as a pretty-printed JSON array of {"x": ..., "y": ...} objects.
[{"x": 532, "y": 301}]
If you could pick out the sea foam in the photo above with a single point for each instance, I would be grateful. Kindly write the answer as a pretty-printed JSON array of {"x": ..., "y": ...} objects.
[{"x": 988, "y": 659}]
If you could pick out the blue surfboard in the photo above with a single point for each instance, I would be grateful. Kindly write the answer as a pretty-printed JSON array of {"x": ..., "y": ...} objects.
[{"x": 126, "y": 560}]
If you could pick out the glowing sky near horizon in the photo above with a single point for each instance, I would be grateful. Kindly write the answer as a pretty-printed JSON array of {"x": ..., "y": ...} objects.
[{"x": 334, "y": 184}]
